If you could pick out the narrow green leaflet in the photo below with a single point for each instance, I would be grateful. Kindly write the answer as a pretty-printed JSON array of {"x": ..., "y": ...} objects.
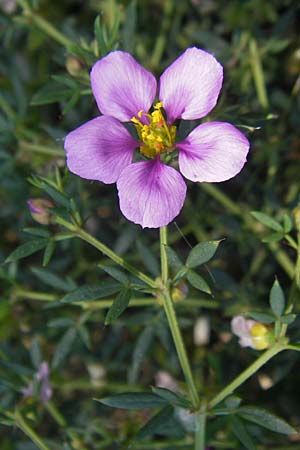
[
  {"x": 156, "y": 422},
  {"x": 35, "y": 353},
  {"x": 119, "y": 305},
  {"x": 50, "y": 93},
  {"x": 277, "y": 301},
  {"x": 262, "y": 317},
  {"x": 56, "y": 195},
  {"x": 92, "y": 292},
  {"x": 171, "y": 397},
  {"x": 241, "y": 433},
  {"x": 100, "y": 36},
  {"x": 8, "y": 422},
  {"x": 266, "y": 419},
  {"x": 140, "y": 351},
  {"x": 202, "y": 253},
  {"x": 133, "y": 400},
  {"x": 287, "y": 223},
  {"x": 84, "y": 335},
  {"x": 288, "y": 319},
  {"x": 128, "y": 35},
  {"x": 82, "y": 53},
  {"x": 180, "y": 274},
  {"x": 273, "y": 237},
  {"x": 198, "y": 282},
  {"x": 267, "y": 220},
  {"x": 64, "y": 347},
  {"x": 115, "y": 273},
  {"x": 148, "y": 259},
  {"x": 173, "y": 259},
  {"x": 61, "y": 322},
  {"x": 52, "y": 279},
  {"x": 48, "y": 253},
  {"x": 233, "y": 402},
  {"x": 27, "y": 249},
  {"x": 40, "y": 232}
]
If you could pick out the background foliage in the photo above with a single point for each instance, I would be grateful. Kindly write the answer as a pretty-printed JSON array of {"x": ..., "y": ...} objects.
[{"x": 47, "y": 49}]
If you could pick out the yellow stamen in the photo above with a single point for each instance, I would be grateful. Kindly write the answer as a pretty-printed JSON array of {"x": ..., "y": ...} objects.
[
  {"x": 156, "y": 136},
  {"x": 158, "y": 105}
]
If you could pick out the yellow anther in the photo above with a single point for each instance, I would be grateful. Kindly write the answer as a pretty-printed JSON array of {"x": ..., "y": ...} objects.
[
  {"x": 157, "y": 117},
  {"x": 158, "y": 105},
  {"x": 156, "y": 136},
  {"x": 136, "y": 121}
]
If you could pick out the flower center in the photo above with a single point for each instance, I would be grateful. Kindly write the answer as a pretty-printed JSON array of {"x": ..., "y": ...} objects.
[{"x": 156, "y": 136}]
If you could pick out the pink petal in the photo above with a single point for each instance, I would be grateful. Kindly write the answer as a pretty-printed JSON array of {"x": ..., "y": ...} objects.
[
  {"x": 45, "y": 391},
  {"x": 239, "y": 327},
  {"x": 99, "y": 149},
  {"x": 246, "y": 342},
  {"x": 189, "y": 88},
  {"x": 151, "y": 193},
  {"x": 43, "y": 371},
  {"x": 121, "y": 86},
  {"x": 213, "y": 152}
]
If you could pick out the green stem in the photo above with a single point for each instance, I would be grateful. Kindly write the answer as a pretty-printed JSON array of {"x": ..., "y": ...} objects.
[
  {"x": 42, "y": 149},
  {"x": 173, "y": 323},
  {"x": 294, "y": 291},
  {"x": 163, "y": 254},
  {"x": 31, "y": 295},
  {"x": 100, "y": 304},
  {"x": 50, "y": 30},
  {"x": 297, "y": 267},
  {"x": 56, "y": 415},
  {"x": 44, "y": 25},
  {"x": 20, "y": 423},
  {"x": 253, "y": 368},
  {"x": 258, "y": 74},
  {"x": 103, "y": 304},
  {"x": 79, "y": 232},
  {"x": 7, "y": 109},
  {"x": 200, "y": 425},
  {"x": 162, "y": 37}
]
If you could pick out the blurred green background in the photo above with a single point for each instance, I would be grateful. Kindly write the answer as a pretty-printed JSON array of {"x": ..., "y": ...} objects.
[{"x": 47, "y": 49}]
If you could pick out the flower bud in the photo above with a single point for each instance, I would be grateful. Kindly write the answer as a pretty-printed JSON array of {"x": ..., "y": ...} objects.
[
  {"x": 8, "y": 6},
  {"x": 202, "y": 331},
  {"x": 73, "y": 65},
  {"x": 39, "y": 210},
  {"x": 297, "y": 217},
  {"x": 165, "y": 380},
  {"x": 179, "y": 292}
]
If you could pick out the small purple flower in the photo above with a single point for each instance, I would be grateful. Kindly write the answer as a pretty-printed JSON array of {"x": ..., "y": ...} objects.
[
  {"x": 151, "y": 192},
  {"x": 250, "y": 333},
  {"x": 42, "y": 378}
]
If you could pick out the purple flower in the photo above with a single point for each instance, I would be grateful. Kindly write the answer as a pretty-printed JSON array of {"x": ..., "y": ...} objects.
[
  {"x": 42, "y": 378},
  {"x": 251, "y": 333},
  {"x": 151, "y": 192}
]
